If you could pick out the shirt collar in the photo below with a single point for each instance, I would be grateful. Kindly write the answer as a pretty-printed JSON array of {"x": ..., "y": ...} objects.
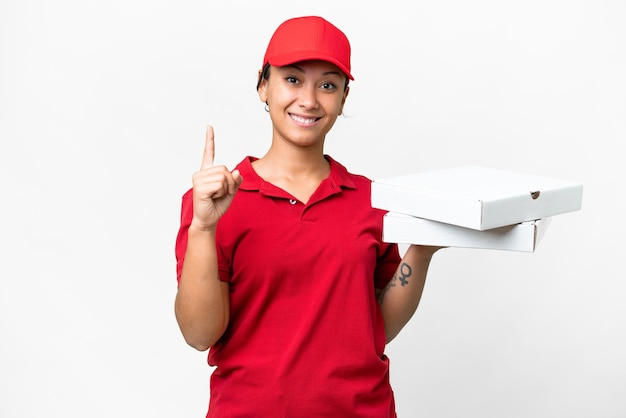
[{"x": 339, "y": 175}]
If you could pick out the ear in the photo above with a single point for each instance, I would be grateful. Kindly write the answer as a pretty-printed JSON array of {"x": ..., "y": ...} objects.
[
  {"x": 262, "y": 89},
  {"x": 343, "y": 100}
]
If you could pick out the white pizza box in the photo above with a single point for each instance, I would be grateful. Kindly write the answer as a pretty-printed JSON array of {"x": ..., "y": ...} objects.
[
  {"x": 476, "y": 197},
  {"x": 405, "y": 229}
]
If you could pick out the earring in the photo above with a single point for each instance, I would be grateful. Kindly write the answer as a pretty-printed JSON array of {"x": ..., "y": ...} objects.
[{"x": 267, "y": 107}]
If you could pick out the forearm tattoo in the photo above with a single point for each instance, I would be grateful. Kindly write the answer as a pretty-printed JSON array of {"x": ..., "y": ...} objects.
[{"x": 401, "y": 275}]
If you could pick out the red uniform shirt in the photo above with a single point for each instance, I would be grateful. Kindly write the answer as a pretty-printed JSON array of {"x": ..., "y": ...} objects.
[{"x": 306, "y": 336}]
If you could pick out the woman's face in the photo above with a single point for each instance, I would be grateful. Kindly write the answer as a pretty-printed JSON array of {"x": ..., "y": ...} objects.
[{"x": 304, "y": 100}]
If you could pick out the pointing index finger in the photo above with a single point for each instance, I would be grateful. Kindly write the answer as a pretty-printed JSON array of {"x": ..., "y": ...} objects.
[{"x": 209, "y": 149}]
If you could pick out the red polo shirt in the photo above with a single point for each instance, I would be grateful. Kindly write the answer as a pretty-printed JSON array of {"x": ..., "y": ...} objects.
[{"x": 306, "y": 336}]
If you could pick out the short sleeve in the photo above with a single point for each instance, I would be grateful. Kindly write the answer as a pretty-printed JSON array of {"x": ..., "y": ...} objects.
[
  {"x": 386, "y": 264},
  {"x": 186, "y": 215}
]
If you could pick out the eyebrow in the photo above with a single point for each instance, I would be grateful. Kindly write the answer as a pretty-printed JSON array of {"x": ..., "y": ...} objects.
[{"x": 300, "y": 69}]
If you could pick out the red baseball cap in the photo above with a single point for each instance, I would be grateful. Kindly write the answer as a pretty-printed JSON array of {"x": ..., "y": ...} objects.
[{"x": 308, "y": 38}]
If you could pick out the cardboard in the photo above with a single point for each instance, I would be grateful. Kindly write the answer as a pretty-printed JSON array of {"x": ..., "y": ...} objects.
[
  {"x": 406, "y": 229},
  {"x": 476, "y": 197}
]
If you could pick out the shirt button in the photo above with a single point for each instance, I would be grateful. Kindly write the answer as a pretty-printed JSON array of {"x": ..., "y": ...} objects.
[{"x": 293, "y": 201}]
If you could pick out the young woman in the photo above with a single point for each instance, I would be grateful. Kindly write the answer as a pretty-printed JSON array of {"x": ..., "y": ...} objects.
[{"x": 282, "y": 272}]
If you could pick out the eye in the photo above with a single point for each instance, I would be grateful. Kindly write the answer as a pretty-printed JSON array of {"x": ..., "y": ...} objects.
[
  {"x": 328, "y": 86},
  {"x": 291, "y": 79}
]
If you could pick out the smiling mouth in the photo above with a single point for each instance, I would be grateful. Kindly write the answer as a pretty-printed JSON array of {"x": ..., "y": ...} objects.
[{"x": 302, "y": 120}]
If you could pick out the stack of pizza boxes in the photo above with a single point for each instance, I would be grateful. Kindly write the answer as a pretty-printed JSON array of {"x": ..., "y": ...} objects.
[{"x": 472, "y": 207}]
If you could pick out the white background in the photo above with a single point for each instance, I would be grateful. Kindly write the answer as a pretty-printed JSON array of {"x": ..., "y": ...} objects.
[{"x": 103, "y": 107}]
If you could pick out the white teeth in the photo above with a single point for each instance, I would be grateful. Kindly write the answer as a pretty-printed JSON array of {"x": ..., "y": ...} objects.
[{"x": 302, "y": 120}]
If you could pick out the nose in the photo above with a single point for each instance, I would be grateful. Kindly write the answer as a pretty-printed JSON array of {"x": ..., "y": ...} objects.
[{"x": 308, "y": 97}]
